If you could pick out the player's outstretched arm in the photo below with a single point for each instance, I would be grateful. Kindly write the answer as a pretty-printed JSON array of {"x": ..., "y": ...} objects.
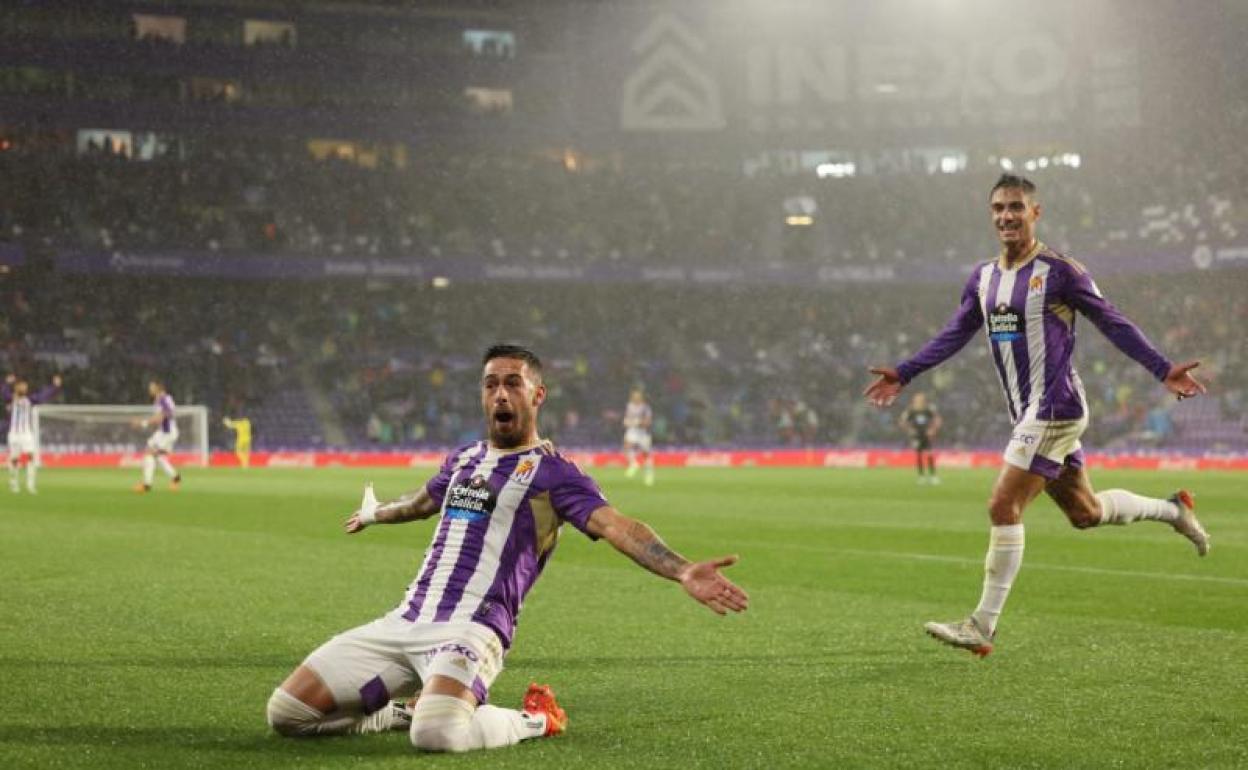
[
  {"x": 884, "y": 389},
  {"x": 412, "y": 506},
  {"x": 49, "y": 391},
  {"x": 702, "y": 580}
]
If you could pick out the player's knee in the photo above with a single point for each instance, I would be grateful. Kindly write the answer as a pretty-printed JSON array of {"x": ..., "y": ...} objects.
[
  {"x": 1003, "y": 510},
  {"x": 441, "y": 723},
  {"x": 291, "y": 717}
]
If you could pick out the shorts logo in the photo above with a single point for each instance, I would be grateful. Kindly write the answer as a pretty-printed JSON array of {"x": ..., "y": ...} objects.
[{"x": 464, "y": 654}]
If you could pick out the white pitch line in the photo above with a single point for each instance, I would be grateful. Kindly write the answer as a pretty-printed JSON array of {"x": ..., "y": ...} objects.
[{"x": 1029, "y": 565}]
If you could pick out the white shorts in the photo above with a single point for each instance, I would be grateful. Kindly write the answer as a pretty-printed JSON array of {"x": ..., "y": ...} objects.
[
  {"x": 160, "y": 441},
  {"x": 1044, "y": 447},
  {"x": 21, "y": 444},
  {"x": 370, "y": 664},
  {"x": 638, "y": 437}
]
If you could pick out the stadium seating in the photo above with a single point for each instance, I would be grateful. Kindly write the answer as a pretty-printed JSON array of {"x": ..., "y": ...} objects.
[{"x": 395, "y": 370}]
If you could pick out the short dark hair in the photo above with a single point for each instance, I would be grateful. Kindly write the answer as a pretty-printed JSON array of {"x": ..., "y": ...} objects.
[
  {"x": 513, "y": 351},
  {"x": 1013, "y": 182}
]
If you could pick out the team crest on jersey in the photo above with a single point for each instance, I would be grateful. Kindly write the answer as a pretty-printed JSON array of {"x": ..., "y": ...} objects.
[
  {"x": 1036, "y": 285},
  {"x": 524, "y": 471}
]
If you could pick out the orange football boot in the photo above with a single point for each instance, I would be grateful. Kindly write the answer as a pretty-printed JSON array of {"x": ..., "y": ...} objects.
[{"x": 540, "y": 699}]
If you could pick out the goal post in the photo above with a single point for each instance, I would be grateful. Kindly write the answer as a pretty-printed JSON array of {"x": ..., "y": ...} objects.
[{"x": 110, "y": 429}]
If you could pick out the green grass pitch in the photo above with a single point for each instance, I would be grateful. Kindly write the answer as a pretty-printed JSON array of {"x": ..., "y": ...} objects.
[{"x": 148, "y": 631}]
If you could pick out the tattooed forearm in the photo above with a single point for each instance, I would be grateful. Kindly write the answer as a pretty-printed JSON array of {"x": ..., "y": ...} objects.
[
  {"x": 410, "y": 507},
  {"x": 648, "y": 549}
]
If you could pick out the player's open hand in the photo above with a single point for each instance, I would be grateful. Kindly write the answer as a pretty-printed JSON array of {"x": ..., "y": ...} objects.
[
  {"x": 705, "y": 583},
  {"x": 884, "y": 389},
  {"x": 1181, "y": 383},
  {"x": 354, "y": 523}
]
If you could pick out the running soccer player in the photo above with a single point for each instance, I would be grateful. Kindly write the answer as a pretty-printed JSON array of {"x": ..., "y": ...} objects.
[
  {"x": 160, "y": 443},
  {"x": 21, "y": 435},
  {"x": 1026, "y": 300},
  {"x": 922, "y": 422},
  {"x": 242, "y": 438},
  {"x": 637, "y": 439},
  {"x": 502, "y": 503}
]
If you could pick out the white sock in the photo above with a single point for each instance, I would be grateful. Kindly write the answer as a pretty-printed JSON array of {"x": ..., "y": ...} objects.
[
  {"x": 1118, "y": 506},
  {"x": 149, "y": 469},
  {"x": 167, "y": 466},
  {"x": 493, "y": 727},
  {"x": 1005, "y": 556},
  {"x": 31, "y": 470},
  {"x": 447, "y": 723}
]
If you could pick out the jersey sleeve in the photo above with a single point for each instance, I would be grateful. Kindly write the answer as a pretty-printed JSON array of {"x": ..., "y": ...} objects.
[
  {"x": 436, "y": 486},
  {"x": 45, "y": 394},
  {"x": 967, "y": 320},
  {"x": 1082, "y": 293},
  {"x": 575, "y": 496}
]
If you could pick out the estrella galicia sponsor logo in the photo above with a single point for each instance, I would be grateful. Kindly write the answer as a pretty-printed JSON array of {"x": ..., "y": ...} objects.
[
  {"x": 471, "y": 502},
  {"x": 1005, "y": 324}
]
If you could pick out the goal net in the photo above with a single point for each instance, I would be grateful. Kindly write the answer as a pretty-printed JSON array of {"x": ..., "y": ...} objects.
[{"x": 110, "y": 429}]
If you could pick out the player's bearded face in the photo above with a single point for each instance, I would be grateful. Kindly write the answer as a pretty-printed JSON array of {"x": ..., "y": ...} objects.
[{"x": 510, "y": 397}]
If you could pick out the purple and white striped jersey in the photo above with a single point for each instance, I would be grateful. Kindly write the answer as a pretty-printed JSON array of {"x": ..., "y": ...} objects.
[
  {"x": 20, "y": 419},
  {"x": 1028, "y": 315},
  {"x": 638, "y": 415},
  {"x": 21, "y": 409},
  {"x": 501, "y": 516},
  {"x": 164, "y": 407}
]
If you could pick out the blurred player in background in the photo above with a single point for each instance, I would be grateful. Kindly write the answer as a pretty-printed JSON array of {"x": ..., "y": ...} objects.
[
  {"x": 242, "y": 438},
  {"x": 922, "y": 422},
  {"x": 502, "y": 503},
  {"x": 160, "y": 443},
  {"x": 638, "y": 443},
  {"x": 21, "y": 436},
  {"x": 1027, "y": 298}
]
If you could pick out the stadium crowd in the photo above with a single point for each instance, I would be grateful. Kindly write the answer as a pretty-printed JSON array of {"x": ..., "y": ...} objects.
[
  {"x": 277, "y": 197},
  {"x": 395, "y": 364}
]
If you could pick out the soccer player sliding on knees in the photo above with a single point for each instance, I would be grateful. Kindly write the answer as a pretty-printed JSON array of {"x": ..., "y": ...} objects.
[
  {"x": 1026, "y": 300},
  {"x": 502, "y": 502}
]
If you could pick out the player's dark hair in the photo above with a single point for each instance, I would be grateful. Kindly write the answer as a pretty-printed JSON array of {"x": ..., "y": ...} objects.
[
  {"x": 513, "y": 351},
  {"x": 1013, "y": 182}
]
